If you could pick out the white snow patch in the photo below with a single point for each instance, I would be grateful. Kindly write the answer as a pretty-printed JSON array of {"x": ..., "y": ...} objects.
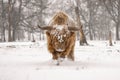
[
  {"x": 58, "y": 33},
  {"x": 32, "y": 61},
  {"x": 59, "y": 27}
]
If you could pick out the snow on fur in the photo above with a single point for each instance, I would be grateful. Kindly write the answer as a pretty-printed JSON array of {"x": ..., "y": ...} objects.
[{"x": 58, "y": 32}]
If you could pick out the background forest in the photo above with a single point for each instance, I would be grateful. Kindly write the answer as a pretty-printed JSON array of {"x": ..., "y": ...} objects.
[{"x": 19, "y": 18}]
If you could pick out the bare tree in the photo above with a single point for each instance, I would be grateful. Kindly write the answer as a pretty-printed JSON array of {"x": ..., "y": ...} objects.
[
  {"x": 36, "y": 15},
  {"x": 9, "y": 20},
  {"x": 110, "y": 39},
  {"x": 79, "y": 24},
  {"x": 3, "y": 23},
  {"x": 94, "y": 17},
  {"x": 93, "y": 8},
  {"x": 113, "y": 8},
  {"x": 82, "y": 37},
  {"x": 17, "y": 21}
]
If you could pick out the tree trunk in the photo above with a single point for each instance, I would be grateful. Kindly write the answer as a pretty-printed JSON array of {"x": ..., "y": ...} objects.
[
  {"x": 16, "y": 24},
  {"x": 33, "y": 39},
  {"x": 40, "y": 35},
  {"x": 3, "y": 27},
  {"x": 90, "y": 20},
  {"x": 78, "y": 21},
  {"x": 43, "y": 37},
  {"x": 110, "y": 39},
  {"x": 82, "y": 36},
  {"x": 29, "y": 36},
  {"x": 118, "y": 22},
  {"x": 18, "y": 35},
  {"x": 9, "y": 21},
  {"x": 14, "y": 33},
  {"x": 19, "y": 16},
  {"x": 117, "y": 31}
]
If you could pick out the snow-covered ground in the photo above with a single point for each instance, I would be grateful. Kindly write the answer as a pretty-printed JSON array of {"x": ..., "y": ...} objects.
[{"x": 32, "y": 61}]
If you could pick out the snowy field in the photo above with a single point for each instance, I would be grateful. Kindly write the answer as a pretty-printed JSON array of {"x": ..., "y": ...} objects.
[{"x": 32, "y": 61}]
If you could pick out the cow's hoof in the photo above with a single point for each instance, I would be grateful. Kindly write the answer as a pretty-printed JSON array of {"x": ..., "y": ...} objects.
[
  {"x": 62, "y": 59},
  {"x": 58, "y": 64},
  {"x": 59, "y": 61}
]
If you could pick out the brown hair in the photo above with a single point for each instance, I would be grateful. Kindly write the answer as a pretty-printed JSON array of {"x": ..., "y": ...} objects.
[{"x": 59, "y": 18}]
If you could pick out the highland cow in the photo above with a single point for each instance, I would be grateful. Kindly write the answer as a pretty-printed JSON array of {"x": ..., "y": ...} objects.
[{"x": 61, "y": 36}]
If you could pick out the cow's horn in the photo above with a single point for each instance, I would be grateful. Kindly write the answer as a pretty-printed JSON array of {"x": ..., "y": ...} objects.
[
  {"x": 73, "y": 28},
  {"x": 45, "y": 27}
]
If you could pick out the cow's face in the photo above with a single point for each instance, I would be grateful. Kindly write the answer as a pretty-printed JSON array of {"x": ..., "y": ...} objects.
[{"x": 60, "y": 34}]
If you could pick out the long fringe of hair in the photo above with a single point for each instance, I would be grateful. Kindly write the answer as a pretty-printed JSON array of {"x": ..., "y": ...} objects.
[{"x": 59, "y": 18}]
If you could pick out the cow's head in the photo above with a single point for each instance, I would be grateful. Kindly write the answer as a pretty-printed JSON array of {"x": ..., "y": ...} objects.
[{"x": 59, "y": 35}]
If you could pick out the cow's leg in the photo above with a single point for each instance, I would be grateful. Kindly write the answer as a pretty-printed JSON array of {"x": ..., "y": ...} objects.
[
  {"x": 71, "y": 54},
  {"x": 62, "y": 55},
  {"x": 50, "y": 46},
  {"x": 70, "y": 47},
  {"x": 58, "y": 61},
  {"x": 54, "y": 55}
]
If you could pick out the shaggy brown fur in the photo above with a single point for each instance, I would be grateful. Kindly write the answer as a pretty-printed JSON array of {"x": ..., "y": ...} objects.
[
  {"x": 61, "y": 18},
  {"x": 69, "y": 51}
]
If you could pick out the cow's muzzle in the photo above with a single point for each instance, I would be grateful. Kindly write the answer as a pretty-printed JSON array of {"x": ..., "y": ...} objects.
[{"x": 60, "y": 50}]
